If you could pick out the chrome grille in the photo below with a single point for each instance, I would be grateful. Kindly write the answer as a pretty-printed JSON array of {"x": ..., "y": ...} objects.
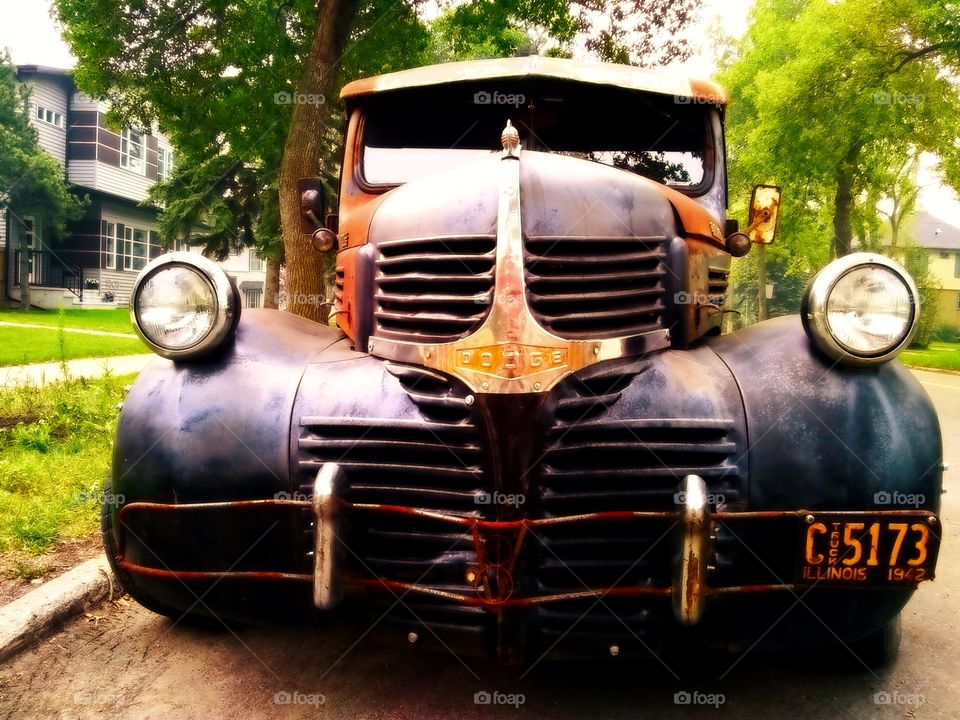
[
  {"x": 596, "y": 287},
  {"x": 433, "y": 289}
]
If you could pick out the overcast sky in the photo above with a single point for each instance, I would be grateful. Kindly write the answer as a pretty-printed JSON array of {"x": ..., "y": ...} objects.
[{"x": 33, "y": 38}]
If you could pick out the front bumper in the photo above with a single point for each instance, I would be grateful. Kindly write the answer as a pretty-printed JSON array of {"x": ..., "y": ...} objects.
[{"x": 336, "y": 568}]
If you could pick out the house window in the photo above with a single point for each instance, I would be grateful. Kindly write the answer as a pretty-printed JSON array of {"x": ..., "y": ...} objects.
[
  {"x": 132, "y": 150},
  {"x": 164, "y": 163},
  {"x": 256, "y": 265},
  {"x": 49, "y": 116},
  {"x": 108, "y": 244},
  {"x": 136, "y": 249},
  {"x": 253, "y": 298},
  {"x": 943, "y": 255}
]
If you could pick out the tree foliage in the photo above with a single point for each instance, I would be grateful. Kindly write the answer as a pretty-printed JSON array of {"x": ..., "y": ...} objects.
[
  {"x": 832, "y": 99},
  {"x": 225, "y": 80}
]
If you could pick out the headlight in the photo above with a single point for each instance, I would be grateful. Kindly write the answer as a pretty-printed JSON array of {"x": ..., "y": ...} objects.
[
  {"x": 184, "y": 306},
  {"x": 861, "y": 309}
]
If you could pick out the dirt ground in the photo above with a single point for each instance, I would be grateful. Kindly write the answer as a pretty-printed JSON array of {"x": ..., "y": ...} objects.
[{"x": 65, "y": 555}]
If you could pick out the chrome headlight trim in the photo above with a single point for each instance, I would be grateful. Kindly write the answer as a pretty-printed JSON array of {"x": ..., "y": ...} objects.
[
  {"x": 226, "y": 297},
  {"x": 815, "y": 307}
]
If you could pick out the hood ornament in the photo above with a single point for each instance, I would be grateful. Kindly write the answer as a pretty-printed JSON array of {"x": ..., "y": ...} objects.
[{"x": 510, "y": 139}]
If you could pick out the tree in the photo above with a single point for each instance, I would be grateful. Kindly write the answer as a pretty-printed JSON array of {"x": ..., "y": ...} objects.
[
  {"x": 31, "y": 180},
  {"x": 829, "y": 97},
  {"x": 214, "y": 72}
]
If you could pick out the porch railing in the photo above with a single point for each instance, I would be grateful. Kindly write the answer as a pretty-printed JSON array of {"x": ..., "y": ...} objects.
[{"x": 46, "y": 269}]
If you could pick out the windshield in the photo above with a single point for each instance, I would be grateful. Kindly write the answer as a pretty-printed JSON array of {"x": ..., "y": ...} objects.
[{"x": 414, "y": 133}]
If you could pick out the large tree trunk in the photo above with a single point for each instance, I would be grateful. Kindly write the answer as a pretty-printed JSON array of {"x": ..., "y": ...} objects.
[
  {"x": 843, "y": 204},
  {"x": 271, "y": 284},
  {"x": 302, "y": 152}
]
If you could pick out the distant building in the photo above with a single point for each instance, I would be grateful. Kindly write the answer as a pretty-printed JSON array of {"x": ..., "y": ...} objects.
[
  {"x": 96, "y": 262},
  {"x": 941, "y": 239}
]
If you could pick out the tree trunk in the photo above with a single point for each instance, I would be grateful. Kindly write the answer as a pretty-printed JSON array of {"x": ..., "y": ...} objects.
[
  {"x": 271, "y": 284},
  {"x": 761, "y": 283},
  {"x": 843, "y": 204},
  {"x": 24, "y": 274},
  {"x": 302, "y": 153}
]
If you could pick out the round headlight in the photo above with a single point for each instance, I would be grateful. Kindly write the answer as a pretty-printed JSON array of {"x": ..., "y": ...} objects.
[
  {"x": 861, "y": 309},
  {"x": 183, "y": 306}
]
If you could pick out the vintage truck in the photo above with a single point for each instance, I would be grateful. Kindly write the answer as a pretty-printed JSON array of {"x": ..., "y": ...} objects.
[{"x": 527, "y": 435}]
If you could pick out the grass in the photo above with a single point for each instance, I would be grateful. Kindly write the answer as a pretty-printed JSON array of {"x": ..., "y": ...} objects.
[
  {"x": 938, "y": 355},
  {"x": 33, "y": 345},
  {"x": 109, "y": 320},
  {"x": 55, "y": 447}
]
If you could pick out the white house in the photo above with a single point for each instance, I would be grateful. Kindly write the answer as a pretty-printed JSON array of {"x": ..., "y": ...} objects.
[{"x": 96, "y": 263}]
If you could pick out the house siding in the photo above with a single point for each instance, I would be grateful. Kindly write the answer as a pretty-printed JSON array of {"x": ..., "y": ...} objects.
[{"x": 51, "y": 94}]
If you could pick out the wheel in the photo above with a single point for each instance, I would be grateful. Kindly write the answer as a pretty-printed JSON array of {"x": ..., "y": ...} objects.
[
  {"x": 124, "y": 579},
  {"x": 882, "y": 647}
]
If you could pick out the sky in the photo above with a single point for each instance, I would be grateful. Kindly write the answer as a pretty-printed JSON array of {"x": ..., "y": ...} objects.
[{"x": 33, "y": 38}]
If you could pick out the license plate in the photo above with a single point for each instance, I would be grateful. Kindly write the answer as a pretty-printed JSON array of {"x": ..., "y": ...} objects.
[{"x": 868, "y": 549}]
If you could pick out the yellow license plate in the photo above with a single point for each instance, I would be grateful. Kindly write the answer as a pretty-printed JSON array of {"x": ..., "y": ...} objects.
[{"x": 869, "y": 549}]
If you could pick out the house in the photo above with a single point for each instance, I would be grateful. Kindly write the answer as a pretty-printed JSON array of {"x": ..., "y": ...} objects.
[
  {"x": 941, "y": 239},
  {"x": 96, "y": 262}
]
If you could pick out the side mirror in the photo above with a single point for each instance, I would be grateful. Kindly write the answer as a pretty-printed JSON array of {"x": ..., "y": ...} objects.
[
  {"x": 313, "y": 205},
  {"x": 764, "y": 214}
]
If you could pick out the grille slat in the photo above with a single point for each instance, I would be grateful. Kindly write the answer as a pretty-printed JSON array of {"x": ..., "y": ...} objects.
[
  {"x": 596, "y": 287},
  {"x": 433, "y": 289}
]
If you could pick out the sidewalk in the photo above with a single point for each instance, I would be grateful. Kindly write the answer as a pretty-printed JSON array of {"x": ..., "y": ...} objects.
[
  {"x": 40, "y": 374},
  {"x": 81, "y": 331}
]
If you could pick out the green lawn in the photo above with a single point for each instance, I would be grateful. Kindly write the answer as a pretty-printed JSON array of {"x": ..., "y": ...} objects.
[
  {"x": 55, "y": 447},
  {"x": 938, "y": 355},
  {"x": 33, "y": 345},
  {"x": 109, "y": 320}
]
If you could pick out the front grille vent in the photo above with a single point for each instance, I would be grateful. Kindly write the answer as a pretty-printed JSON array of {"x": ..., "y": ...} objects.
[
  {"x": 433, "y": 289},
  {"x": 596, "y": 287}
]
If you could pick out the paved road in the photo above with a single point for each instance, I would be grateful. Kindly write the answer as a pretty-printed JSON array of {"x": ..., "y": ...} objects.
[{"x": 128, "y": 663}]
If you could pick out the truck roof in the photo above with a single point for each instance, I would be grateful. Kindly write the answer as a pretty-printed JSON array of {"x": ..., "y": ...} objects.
[{"x": 535, "y": 66}]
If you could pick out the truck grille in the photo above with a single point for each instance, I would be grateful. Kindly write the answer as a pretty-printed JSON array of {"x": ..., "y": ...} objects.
[
  {"x": 433, "y": 289},
  {"x": 436, "y": 463},
  {"x": 596, "y": 287}
]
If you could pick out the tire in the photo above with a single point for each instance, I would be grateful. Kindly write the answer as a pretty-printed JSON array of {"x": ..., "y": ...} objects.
[
  {"x": 882, "y": 647},
  {"x": 124, "y": 579}
]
